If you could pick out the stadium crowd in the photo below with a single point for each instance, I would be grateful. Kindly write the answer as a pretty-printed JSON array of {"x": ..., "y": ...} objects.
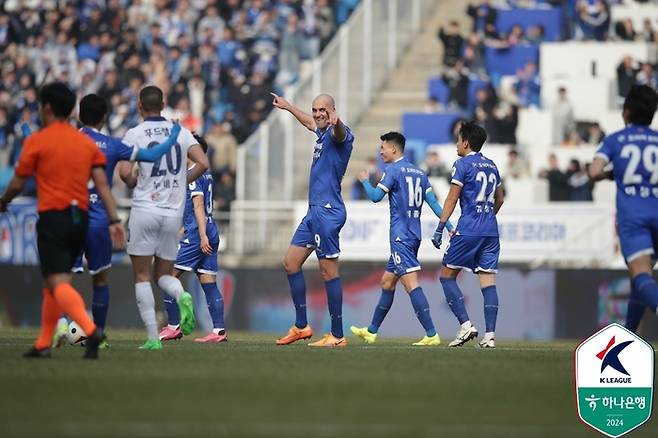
[{"x": 216, "y": 60}]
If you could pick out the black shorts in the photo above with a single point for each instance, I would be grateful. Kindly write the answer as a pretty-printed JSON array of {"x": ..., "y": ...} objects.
[{"x": 61, "y": 235}]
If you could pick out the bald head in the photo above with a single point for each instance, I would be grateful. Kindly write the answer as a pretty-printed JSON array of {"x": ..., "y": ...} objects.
[{"x": 323, "y": 105}]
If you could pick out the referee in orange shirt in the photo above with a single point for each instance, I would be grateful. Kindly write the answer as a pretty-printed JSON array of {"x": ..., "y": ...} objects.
[{"x": 62, "y": 159}]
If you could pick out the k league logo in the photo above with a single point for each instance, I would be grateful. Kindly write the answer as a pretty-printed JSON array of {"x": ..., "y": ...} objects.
[{"x": 614, "y": 371}]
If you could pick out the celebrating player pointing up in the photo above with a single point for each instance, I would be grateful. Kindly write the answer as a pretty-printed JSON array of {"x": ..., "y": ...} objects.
[{"x": 325, "y": 217}]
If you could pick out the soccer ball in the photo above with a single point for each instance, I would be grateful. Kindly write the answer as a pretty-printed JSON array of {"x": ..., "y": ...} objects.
[{"x": 75, "y": 335}]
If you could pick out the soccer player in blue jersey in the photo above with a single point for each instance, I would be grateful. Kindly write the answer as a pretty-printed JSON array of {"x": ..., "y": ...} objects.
[
  {"x": 98, "y": 246},
  {"x": 407, "y": 187},
  {"x": 633, "y": 153},
  {"x": 326, "y": 215},
  {"x": 198, "y": 253},
  {"x": 475, "y": 245}
]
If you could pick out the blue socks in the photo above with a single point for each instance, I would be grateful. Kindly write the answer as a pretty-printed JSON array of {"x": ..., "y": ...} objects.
[
  {"x": 634, "y": 312},
  {"x": 215, "y": 304},
  {"x": 335, "y": 300},
  {"x": 490, "y": 307},
  {"x": 100, "y": 303},
  {"x": 298, "y": 293},
  {"x": 422, "y": 309},
  {"x": 455, "y": 299},
  {"x": 645, "y": 289},
  {"x": 173, "y": 314},
  {"x": 384, "y": 305}
]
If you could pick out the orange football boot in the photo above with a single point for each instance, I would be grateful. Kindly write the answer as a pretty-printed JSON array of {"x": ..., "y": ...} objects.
[
  {"x": 295, "y": 334},
  {"x": 329, "y": 340}
]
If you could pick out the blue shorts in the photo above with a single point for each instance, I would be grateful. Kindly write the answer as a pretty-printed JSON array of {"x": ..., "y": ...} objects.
[
  {"x": 475, "y": 253},
  {"x": 404, "y": 258},
  {"x": 190, "y": 258},
  {"x": 319, "y": 230},
  {"x": 97, "y": 251},
  {"x": 638, "y": 236}
]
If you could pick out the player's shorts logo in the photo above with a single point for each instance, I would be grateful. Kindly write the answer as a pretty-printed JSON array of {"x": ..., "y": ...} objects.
[{"x": 614, "y": 380}]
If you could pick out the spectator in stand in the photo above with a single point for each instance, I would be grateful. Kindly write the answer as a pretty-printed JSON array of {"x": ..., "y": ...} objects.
[
  {"x": 580, "y": 185},
  {"x": 647, "y": 76},
  {"x": 558, "y": 188},
  {"x": 517, "y": 168},
  {"x": 648, "y": 34},
  {"x": 435, "y": 167},
  {"x": 485, "y": 102},
  {"x": 516, "y": 36},
  {"x": 626, "y": 72},
  {"x": 594, "y": 134},
  {"x": 224, "y": 147},
  {"x": 452, "y": 43},
  {"x": 506, "y": 119},
  {"x": 573, "y": 139},
  {"x": 593, "y": 19},
  {"x": 528, "y": 86},
  {"x": 624, "y": 30},
  {"x": 224, "y": 192},
  {"x": 482, "y": 14},
  {"x": 457, "y": 79},
  {"x": 474, "y": 56},
  {"x": 563, "y": 119}
]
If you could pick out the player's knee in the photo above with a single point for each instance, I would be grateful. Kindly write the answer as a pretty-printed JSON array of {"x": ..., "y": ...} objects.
[
  {"x": 386, "y": 283},
  {"x": 290, "y": 266},
  {"x": 328, "y": 272}
]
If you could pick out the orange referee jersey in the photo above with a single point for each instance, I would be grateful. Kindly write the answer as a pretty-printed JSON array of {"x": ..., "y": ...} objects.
[{"x": 61, "y": 158}]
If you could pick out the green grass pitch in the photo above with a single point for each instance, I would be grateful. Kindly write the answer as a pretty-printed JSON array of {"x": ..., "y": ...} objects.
[{"x": 250, "y": 387}]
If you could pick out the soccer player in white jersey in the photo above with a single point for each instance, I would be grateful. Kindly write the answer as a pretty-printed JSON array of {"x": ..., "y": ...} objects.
[{"x": 157, "y": 210}]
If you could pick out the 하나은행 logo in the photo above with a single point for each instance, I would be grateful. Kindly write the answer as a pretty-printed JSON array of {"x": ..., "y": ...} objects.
[{"x": 614, "y": 370}]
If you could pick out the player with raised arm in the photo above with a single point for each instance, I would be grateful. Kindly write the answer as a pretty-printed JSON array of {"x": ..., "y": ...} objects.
[
  {"x": 326, "y": 215},
  {"x": 407, "y": 187},
  {"x": 633, "y": 153},
  {"x": 98, "y": 245},
  {"x": 157, "y": 210},
  {"x": 198, "y": 253},
  {"x": 475, "y": 245}
]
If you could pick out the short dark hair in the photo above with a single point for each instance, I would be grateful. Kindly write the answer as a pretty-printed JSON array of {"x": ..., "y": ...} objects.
[
  {"x": 93, "y": 109},
  {"x": 395, "y": 138},
  {"x": 641, "y": 103},
  {"x": 151, "y": 98},
  {"x": 202, "y": 142},
  {"x": 60, "y": 98},
  {"x": 474, "y": 134}
]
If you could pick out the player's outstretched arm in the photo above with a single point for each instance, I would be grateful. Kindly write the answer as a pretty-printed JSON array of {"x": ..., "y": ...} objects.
[
  {"x": 339, "y": 133},
  {"x": 116, "y": 229},
  {"x": 200, "y": 216},
  {"x": 153, "y": 154},
  {"x": 375, "y": 194},
  {"x": 499, "y": 198},
  {"x": 304, "y": 118},
  {"x": 196, "y": 154},
  {"x": 431, "y": 200}
]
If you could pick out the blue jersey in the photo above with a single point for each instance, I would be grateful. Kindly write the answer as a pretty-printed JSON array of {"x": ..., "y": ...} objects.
[
  {"x": 330, "y": 160},
  {"x": 406, "y": 186},
  {"x": 114, "y": 151},
  {"x": 478, "y": 177},
  {"x": 201, "y": 187},
  {"x": 633, "y": 152}
]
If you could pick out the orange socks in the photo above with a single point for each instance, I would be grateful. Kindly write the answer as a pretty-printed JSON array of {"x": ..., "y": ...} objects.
[
  {"x": 50, "y": 313},
  {"x": 71, "y": 303}
]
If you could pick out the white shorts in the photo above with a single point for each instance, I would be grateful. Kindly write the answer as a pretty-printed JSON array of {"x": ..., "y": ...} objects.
[{"x": 153, "y": 234}]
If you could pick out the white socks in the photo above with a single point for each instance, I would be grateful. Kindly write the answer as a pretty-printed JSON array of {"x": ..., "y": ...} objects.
[
  {"x": 146, "y": 306},
  {"x": 171, "y": 285},
  {"x": 489, "y": 335},
  {"x": 467, "y": 324}
]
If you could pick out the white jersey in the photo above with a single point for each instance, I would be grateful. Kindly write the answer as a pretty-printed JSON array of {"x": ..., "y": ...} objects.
[{"x": 161, "y": 186}]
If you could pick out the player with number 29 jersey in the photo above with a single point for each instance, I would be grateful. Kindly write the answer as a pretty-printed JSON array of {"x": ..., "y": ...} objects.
[{"x": 633, "y": 152}]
